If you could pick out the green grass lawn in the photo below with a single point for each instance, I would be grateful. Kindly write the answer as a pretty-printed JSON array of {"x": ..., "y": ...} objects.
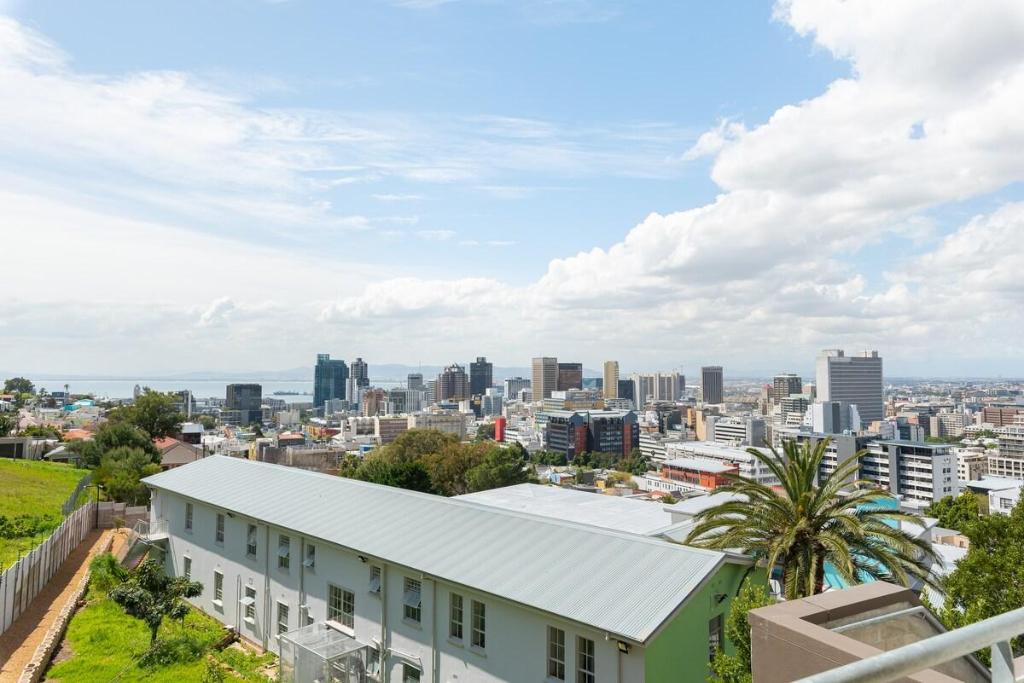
[
  {"x": 105, "y": 642},
  {"x": 37, "y": 490}
]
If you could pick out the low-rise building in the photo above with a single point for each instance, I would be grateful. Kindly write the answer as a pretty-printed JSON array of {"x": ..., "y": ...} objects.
[
  {"x": 433, "y": 589},
  {"x": 916, "y": 472}
]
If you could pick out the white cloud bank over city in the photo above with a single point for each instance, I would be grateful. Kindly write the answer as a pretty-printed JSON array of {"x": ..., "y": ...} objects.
[{"x": 128, "y": 278}]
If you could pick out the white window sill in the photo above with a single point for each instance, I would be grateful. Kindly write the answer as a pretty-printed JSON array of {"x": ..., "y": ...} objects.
[
  {"x": 219, "y": 604},
  {"x": 338, "y": 626},
  {"x": 250, "y": 622},
  {"x": 410, "y": 622},
  {"x": 457, "y": 642},
  {"x": 478, "y": 651}
]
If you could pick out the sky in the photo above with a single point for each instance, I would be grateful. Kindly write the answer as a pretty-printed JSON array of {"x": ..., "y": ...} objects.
[{"x": 240, "y": 185}]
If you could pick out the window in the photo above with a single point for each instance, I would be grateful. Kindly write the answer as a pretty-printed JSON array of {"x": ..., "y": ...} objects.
[
  {"x": 250, "y": 604},
  {"x": 455, "y": 617},
  {"x": 373, "y": 663},
  {"x": 218, "y": 588},
  {"x": 411, "y": 600},
  {"x": 341, "y": 607},
  {"x": 714, "y": 636},
  {"x": 250, "y": 540},
  {"x": 556, "y": 653},
  {"x": 188, "y": 516},
  {"x": 310, "y": 560},
  {"x": 282, "y": 618},
  {"x": 375, "y": 580},
  {"x": 284, "y": 552},
  {"x": 479, "y": 638},
  {"x": 410, "y": 674},
  {"x": 584, "y": 660},
  {"x": 186, "y": 570},
  {"x": 219, "y": 537}
]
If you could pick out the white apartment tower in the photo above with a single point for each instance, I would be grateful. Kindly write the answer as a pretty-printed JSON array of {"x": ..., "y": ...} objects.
[{"x": 852, "y": 380}]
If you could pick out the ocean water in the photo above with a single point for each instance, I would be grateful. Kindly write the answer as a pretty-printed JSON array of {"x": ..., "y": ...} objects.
[{"x": 200, "y": 388}]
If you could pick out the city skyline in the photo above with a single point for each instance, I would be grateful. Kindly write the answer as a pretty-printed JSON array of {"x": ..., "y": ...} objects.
[{"x": 568, "y": 178}]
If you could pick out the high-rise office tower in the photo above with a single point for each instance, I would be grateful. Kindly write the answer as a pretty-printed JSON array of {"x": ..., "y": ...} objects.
[
  {"x": 453, "y": 384},
  {"x": 513, "y": 385},
  {"x": 481, "y": 376},
  {"x": 329, "y": 379},
  {"x": 786, "y": 385},
  {"x": 570, "y": 376},
  {"x": 851, "y": 380},
  {"x": 611, "y": 379},
  {"x": 247, "y": 399},
  {"x": 415, "y": 380},
  {"x": 711, "y": 384},
  {"x": 545, "y": 378},
  {"x": 361, "y": 372},
  {"x": 667, "y": 386}
]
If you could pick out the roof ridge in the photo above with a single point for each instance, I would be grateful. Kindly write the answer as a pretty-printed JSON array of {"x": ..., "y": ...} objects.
[{"x": 455, "y": 502}]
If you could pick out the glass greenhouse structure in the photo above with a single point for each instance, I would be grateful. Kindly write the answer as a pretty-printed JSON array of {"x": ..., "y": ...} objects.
[{"x": 319, "y": 653}]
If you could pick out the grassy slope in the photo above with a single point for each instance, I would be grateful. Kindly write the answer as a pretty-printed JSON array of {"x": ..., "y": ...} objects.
[
  {"x": 33, "y": 488},
  {"x": 104, "y": 641}
]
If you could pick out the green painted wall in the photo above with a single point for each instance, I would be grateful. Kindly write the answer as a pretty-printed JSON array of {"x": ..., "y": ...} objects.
[{"x": 680, "y": 652}]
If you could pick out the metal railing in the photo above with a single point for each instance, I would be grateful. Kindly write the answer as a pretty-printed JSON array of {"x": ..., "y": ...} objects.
[
  {"x": 930, "y": 652},
  {"x": 144, "y": 529}
]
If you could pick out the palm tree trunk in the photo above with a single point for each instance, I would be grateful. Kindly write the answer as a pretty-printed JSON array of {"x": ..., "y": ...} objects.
[{"x": 819, "y": 575}]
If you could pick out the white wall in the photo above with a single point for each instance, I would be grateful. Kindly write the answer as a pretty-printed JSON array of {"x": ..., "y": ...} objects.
[{"x": 516, "y": 635}]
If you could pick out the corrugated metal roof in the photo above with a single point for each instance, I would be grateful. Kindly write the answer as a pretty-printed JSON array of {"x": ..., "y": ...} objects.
[{"x": 616, "y": 582}]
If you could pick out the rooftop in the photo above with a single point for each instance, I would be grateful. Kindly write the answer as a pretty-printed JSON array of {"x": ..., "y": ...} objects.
[
  {"x": 915, "y": 444},
  {"x": 556, "y": 566},
  {"x": 608, "y": 512},
  {"x": 699, "y": 465}
]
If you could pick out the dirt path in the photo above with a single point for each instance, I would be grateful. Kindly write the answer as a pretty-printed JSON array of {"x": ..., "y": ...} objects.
[{"x": 19, "y": 643}]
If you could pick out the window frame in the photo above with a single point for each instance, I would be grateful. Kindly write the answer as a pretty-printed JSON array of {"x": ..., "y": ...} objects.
[
  {"x": 456, "y": 622},
  {"x": 407, "y": 669},
  {"x": 282, "y": 607},
  {"x": 186, "y": 567},
  {"x": 556, "y": 654},
  {"x": 218, "y": 534},
  {"x": 252, "y": 538},
  {"x": 189, "y": 516},
  {"x": 586, "y": 660},
  {"x": 412, "y": 612},
  {"x": 284, "y": 552},
  {"x": 376, "y": 574},
  {"x": 218, "y": 588},
  {"x": 309, "y": 562},
  {"x": 344, "y": 612},
  {"x": 716, "y": 626},
  {"x": 477, "y": 634},
  {"x": 249, "y": 615}
]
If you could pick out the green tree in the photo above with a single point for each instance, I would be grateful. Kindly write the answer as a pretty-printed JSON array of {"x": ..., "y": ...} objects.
[
  {"x": 416, "y": 443},
  {"x": 120, "y": 473},
  {"x": 485, "y": 432},
  {"x": 549, "y": 458},
  {"x": 636, "y": 463},
  {"x": 150, "y": 595},
  {"x": 110, "y": 436},
  {"x": 7, "y": 425},
  {"x": 450, "y": 468},
  {"x": 41, "y": 432},
  {"x": 408, "y": 474},
  {"x": 499, "y": 467},
  {"x": 208, "y": 422},
  {"x": 989, "y": 580},
  {"x": 153, "y": 412},
  {"x": 19, "y": 385},
  {"x": 735, "y": 668},
  {"x": 956, "y": 513},
  {"x": 804, "y": 525}
]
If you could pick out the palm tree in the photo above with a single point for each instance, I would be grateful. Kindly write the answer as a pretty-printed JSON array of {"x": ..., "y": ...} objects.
[{"x": 800, "y": 525}]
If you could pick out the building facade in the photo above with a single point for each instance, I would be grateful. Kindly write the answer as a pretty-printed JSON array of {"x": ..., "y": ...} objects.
[
  {"x": 574, "y": 432},
  {"x": 329, "y": 379},
  {"x": 712, "y": 384},
  {"x": 570, "y": 376},
  {"x": 852, "y": 380},
  {"x": 481, "y": 376},
  {"x": 786, "y": 385},
  {"x": 360, "y": 372},
  {"x": 610, "y": 382},
  {"x": 247, "y": 399},
  {"x": 283, "y": 548},
  {"x": 545, "y": 378},
  {"x": 452, "y": 384}
]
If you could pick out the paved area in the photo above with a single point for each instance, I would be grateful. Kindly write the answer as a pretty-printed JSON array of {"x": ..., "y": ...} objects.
[{"x": 20, "y": 641}]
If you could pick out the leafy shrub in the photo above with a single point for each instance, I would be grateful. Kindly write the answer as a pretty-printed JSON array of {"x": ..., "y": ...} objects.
[{"x": 106, "y": 572}]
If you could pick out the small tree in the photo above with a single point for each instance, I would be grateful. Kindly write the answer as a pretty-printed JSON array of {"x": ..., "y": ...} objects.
[
  {"x": 735, "y": 668},
  {"x": 151, "y": 595},
  {"x": 6, "y": 425}
]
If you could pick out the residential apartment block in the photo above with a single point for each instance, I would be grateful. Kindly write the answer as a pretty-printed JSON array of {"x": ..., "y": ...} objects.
[
  {"x": 578, "y": 431},
  {"x": 434, "y": 589}
]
